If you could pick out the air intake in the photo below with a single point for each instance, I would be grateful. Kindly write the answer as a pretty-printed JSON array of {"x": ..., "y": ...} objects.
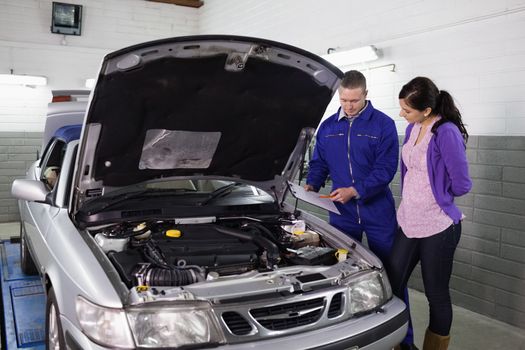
[
  {"x": 336, "y": 306},
  {"x": 236, "y": 323}
]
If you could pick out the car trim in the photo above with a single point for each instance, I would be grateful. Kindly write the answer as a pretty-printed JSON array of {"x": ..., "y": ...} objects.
[
  {"x": 108, "y": 268},
  {"x": 370, "y": 336},
  {"x": 228, "y": 38},
  {"x": 71, "y": 342}
]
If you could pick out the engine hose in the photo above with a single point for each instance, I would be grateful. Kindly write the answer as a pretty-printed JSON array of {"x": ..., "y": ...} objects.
[
  {"x": 157, "y": 276},
  {"x": 154, "y": 254},
  {"x": 272, "y": 251},
  {"x": 269, "y": 234}
]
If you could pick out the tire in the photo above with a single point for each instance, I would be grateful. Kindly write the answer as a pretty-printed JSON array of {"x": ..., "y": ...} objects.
[
  {"x": 54, "y": 334},
  {"x": 26, "y": 261}
]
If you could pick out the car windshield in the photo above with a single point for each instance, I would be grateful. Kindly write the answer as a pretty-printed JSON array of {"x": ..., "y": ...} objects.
[
  {"x": 180, "y": 193},
  {"x": 212, "y": 188}
]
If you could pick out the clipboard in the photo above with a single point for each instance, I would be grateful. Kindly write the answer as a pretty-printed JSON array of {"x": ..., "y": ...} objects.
[{"x": 313, "y": 198}]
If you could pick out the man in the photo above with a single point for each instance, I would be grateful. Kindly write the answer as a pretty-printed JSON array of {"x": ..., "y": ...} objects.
[{"x": 358, "y": 147}]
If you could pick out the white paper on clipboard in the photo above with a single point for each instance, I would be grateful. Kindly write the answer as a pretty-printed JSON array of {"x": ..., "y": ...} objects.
[{"x": 312, "y": 198}]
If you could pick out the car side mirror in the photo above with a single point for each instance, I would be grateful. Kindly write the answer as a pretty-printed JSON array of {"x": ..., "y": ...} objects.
[{"x": 30, "y": 190}]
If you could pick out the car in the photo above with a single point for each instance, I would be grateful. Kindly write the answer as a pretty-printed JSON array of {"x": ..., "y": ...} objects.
[{"x": 164, "y": 217}]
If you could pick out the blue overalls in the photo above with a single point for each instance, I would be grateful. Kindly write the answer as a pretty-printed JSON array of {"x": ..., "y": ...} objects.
[{"x": 362, "y": 152}]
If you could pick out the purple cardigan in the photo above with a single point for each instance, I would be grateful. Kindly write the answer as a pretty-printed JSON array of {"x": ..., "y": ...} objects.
[{"x": 447, "y": 167}]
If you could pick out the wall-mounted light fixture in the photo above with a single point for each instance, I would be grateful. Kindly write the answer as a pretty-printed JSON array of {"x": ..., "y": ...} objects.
[
  {"x": 348, "y": 57},
  {"x": 66, "y": 19},
  {"x": 16, "y": 79}
]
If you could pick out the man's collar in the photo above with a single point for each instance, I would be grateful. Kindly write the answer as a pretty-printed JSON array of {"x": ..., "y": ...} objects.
[{"x": 361, "y": 112}]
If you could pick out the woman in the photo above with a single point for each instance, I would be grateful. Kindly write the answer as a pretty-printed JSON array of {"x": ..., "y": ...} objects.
[{"x": 434, "y": 170}]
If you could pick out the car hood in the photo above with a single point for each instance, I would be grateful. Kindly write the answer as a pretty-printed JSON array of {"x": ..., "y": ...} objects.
[{"x": 203, "y": 106}]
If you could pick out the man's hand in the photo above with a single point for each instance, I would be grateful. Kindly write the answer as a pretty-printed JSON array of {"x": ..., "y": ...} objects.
[
  {"x": 308, "y": 188},
  {"x": 343, "y": 194}
]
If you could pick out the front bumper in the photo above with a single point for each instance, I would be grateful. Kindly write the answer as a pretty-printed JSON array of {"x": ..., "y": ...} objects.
[{"x": 378, "y": 331}]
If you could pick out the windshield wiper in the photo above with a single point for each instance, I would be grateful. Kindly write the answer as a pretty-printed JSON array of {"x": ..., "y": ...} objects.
[
  {"x": 119, "y": 198},
  {"x": 221, "y": 192}
]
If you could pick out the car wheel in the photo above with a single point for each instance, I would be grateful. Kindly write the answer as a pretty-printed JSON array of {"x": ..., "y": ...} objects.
[
  {"x": 54, "y": 335},
  {"x": 26, "y": 261}
]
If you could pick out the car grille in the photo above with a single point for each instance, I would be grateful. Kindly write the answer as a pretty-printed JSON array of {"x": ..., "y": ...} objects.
[
  {"x": 236, "y": 323},
  {"x": 245, "y": 320},
  {"x": 286, "y": 316}
]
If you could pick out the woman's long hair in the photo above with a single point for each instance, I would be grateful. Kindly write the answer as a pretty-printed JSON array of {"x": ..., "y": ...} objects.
[{"x": 421, "y": 93}]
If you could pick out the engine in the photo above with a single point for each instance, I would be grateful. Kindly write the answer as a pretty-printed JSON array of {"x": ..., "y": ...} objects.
[{"x": 168, "y": 254}]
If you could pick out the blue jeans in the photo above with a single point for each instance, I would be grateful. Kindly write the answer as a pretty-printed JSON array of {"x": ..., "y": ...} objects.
[{"x": 436, "y": 254}]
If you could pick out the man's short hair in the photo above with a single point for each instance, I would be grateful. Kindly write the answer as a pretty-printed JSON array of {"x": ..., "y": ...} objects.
[{"x": 354, "y": 79}]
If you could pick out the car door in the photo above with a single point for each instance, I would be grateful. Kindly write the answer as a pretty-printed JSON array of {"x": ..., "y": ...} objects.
[{"x": 36, "y": 216}]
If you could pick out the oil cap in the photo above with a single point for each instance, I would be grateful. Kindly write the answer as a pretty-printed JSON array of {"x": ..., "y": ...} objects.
[{"x": 173, "y": 233}]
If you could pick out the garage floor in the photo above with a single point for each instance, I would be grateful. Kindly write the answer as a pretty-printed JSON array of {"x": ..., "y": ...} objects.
[{"x": 469, "y": 331}]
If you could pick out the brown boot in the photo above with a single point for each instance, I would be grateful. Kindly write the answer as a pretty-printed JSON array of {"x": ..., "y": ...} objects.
[{"x": 435, "y": 341}]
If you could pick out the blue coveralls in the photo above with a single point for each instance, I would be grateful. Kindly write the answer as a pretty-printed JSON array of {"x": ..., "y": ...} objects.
[{"x": 362, "y": 153}]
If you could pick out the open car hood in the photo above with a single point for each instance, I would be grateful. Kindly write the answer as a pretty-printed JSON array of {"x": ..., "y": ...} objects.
[{"x": 202, "y": 106}]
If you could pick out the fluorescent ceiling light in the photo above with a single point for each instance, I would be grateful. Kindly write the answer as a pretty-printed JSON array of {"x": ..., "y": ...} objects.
[
  {"x": 90, "y": 83},
  {"x": 15, "y": 79},
  {"x": 349, "y": 57}
]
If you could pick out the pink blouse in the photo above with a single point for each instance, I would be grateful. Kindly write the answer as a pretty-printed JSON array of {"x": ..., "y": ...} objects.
[{"x": 419, "y": 215}]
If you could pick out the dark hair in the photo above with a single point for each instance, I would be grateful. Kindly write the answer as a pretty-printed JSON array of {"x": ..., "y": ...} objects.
[
  {"x": 354, "y": 79},
  {"x": 421, "y": 93}
]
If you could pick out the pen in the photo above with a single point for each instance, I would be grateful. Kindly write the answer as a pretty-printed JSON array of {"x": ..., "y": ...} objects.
[{"x": 326, "y": 196}]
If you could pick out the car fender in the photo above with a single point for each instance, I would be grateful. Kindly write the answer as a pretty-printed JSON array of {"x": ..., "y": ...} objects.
[{"x": 73, "y": 270}]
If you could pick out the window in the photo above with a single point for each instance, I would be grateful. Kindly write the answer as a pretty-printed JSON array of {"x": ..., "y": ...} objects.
[{"x": 52, "y": 163}]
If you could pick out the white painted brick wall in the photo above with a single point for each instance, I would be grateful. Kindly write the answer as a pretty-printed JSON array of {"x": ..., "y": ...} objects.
[
  {"x": 28, "y": 47},
  {"x": 474, "y": 49}
]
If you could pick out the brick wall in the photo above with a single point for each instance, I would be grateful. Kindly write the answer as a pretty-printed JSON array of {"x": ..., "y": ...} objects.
[
  {"x": 17, "y": 152},
  {"x": 28, "y": 47},
  {"x": 475, "y": 52},
  {"x": 106, "y": 24},
  {"x": 489, "y": 268}
]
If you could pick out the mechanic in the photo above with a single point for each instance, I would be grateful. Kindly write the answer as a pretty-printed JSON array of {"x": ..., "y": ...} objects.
[{"x": 358, "y": 148}]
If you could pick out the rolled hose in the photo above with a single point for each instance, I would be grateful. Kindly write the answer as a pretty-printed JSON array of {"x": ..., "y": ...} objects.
[{"x": 272, "y": 251}]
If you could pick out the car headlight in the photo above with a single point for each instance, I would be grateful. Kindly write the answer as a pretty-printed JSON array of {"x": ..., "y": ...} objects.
[
  {"x": 369, "y": 292},
  {"x": 103, "y": 325},
  {"x": 175, "y": 324},
  {"x": 164, "y": 325}
]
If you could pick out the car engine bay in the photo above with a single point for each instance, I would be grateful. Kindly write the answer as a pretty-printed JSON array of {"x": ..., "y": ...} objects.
[{"x": 171, "y": 254}]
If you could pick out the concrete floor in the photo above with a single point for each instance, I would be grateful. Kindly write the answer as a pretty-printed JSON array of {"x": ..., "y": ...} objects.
[{"x": 470, "y": 331}]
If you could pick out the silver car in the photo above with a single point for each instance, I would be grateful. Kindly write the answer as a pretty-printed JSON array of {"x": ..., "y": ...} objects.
[{"x": 165, "y": 219}]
